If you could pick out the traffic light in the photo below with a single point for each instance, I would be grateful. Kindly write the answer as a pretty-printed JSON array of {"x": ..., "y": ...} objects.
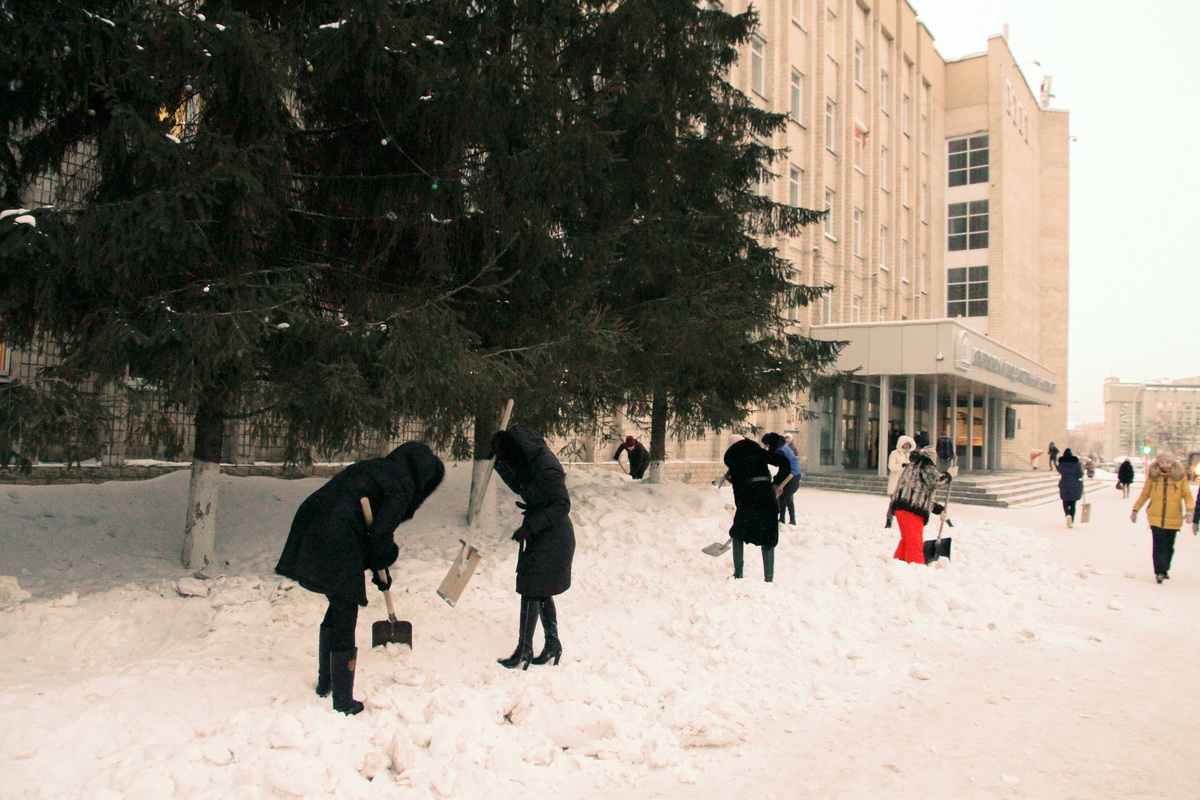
[{"x": 1146, "y": 448}]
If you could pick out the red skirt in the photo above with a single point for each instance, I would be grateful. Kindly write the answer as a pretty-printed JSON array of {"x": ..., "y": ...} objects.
[{"x": 912, "y": 538}]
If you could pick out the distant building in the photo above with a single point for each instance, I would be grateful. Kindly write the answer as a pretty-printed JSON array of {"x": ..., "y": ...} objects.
[{"x": 1158, "y": 416}]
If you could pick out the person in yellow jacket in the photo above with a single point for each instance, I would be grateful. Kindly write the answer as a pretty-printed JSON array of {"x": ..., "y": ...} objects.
[{"x": 1167, "y": 491}]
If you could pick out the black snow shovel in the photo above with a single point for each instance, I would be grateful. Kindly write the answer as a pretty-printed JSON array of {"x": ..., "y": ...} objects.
[
  {"x": 391, "y": 630},
  {"x": 940, "y": 547}
]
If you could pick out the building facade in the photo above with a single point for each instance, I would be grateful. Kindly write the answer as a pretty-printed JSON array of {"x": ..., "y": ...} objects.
[
  {"x": 1142, "y": 419},
  {"x": 947, "y": 186}
]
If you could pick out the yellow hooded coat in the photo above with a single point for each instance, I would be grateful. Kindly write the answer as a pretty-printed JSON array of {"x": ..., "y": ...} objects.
[{"x": 1165, "y": 492}]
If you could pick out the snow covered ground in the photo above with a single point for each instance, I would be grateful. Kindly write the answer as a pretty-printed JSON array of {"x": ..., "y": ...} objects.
[{"x": 1040, "y": 662}]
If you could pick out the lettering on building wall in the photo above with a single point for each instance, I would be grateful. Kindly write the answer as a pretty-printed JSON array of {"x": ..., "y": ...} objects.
[{"x": 969, "y": 356}]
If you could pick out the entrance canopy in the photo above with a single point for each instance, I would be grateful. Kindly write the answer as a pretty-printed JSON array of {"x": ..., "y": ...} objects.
[{"x": 941, "y": 347}]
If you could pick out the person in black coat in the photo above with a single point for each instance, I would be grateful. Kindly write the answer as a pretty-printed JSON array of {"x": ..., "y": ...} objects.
[
  {"x": 639, "y": 457},
  {"x": 546, "y": 537},
  {"x": 1070, "y": 485},
  {"x": 1125, "y": 477},
  {"x": 756, "y": 518},
  {"x": 330, "y": 545}
]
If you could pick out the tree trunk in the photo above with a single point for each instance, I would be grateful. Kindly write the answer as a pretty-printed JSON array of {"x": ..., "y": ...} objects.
[
  {"x": 658, "y": 436},
  {"x": 200, "y": 529},
  {"x": 482, "y": 500}
]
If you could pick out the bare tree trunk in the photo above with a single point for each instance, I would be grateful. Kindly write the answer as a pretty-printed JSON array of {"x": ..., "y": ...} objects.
[
  {"x": 658, "y": 436},
  {"x": 200, "y": 529},
  {"x": 483, "y": 503}
]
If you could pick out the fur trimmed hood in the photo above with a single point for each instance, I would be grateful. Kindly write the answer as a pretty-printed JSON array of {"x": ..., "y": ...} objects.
[{"x": 1156, "y": 471}]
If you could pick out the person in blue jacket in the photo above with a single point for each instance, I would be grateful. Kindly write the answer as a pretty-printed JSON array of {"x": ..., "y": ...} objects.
[{"x": 786, "y": 480}]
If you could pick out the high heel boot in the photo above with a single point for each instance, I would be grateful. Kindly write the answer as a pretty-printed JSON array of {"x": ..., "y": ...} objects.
[
  {"x": 553, "y": 647},
  {"x": 530, "y": 609},
  {"x": 324, "y": 684},
  {"x": 341, "y": 667}
]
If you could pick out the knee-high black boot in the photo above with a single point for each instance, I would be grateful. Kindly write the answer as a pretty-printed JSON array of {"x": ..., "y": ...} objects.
[
  {"x": 341, "y": 667},
  {"x": 768, "y": 564},
  {"x": 531, "y": 608},
  {"x": 739, "y": 555},
  {"x": 324, "y": 684},
  {"x": 553, "y": 647}
]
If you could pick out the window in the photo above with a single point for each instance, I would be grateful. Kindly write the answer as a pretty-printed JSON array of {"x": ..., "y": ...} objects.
[
  {"x": 968, "y": 160},
  {"x": 831, "y": 124},
  {"x": 884, "y": 87},
  {"x": 904, "y": 104},
  {"x": 923, "y": 202},
  {"x": 827, "y": 307},
  {"x": 883, "y": 247},
  {"x": 830, "y": 197},
  {"x": 856, "y": 309},
  {"x": 858, "y": 63},
  {"x": 904, "y": 260},
  {"x": 883, "y": 168},
  {"x": 967, "y": 292},
  {"x": 831, "y": 34},
  {"x": 967, "y": 225},
  {"x": 758, "y": 59},
  {"x": 797, "y": 110},
  {"x": 858, "y": 226},
  {"x": 860, "y": 145},
  {"x": 795, "y": 184},
  {"x": 904, "y": 186},
  {"x": 798, "y": 12}
]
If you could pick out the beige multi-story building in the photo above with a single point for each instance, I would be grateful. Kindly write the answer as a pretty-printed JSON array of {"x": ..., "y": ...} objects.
[
  {"x": 946, "y": 244},
  {"x": 1142, "y": 419}
]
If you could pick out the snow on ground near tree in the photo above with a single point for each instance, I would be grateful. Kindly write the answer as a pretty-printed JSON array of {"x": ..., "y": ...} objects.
[{"x": 1040, "y": 662}]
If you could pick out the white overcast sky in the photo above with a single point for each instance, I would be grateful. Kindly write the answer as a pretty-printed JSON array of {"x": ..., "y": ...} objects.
[{"x": 1128, "y": 74}]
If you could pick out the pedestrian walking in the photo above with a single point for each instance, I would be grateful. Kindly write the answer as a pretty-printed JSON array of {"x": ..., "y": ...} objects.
[
  {"x": 330, "y": 545},
  {"x": 787, "y": 479},
  {"x": 756, "y": 514},
  {"x": 1125, "y": 477},
  {"x": 1165, "y": 494},
  {"x": 1053, "y": 451},
  {"x": 914, "y": 499},
  {"x": 546, "y": 538},
  {"x": 905, "y": 447},
  {"x": 638, "y": 455},
  {"x": 1070, "y": 484}
]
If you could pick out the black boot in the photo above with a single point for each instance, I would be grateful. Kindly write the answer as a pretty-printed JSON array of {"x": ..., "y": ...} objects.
[
  {"x": 768, "y": 564},
  {"x": 323, "y": 682},
  {"x": 553, "y": 647},
  {"x": 738, "y": 557},
  {"x": 341, "y": 667},
  {"x": 530, "y": 609}
]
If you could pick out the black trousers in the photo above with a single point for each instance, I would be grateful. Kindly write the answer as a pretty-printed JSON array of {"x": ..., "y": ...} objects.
[
  {"x": 1164, "y": 549},
  {"x": 1069, "y": 508},
  {"x": 787, "y": 500},
  {"x": 341, "y": 618}
]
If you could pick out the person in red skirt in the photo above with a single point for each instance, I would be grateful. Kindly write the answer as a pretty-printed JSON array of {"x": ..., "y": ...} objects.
[{"x": 914, "y": 499}]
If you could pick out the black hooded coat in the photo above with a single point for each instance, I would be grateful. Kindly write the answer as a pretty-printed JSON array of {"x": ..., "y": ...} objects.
[
  {"x": 547, "y": 537},
  {"x": 329, "y": 545},
  {"x": 756, "y": 519}
]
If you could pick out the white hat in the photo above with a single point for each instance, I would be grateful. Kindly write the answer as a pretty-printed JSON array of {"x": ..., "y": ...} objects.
[{"x": 734, "y": 438}]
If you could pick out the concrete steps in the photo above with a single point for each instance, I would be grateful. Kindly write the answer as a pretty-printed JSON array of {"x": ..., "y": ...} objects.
[{"x": 1011, "y": 489}]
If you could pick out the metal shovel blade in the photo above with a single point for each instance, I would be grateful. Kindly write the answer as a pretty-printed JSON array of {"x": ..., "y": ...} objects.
[
  {"x": 460, "y": 573},
  {"x": 391, "y": 631},
  {"x": 717, "y": 548},
  {"x": 937, "y": 548}
]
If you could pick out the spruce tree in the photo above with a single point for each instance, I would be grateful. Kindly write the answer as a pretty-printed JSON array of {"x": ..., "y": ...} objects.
[
  {"x": 695, "y": 279},
  {"x": 180, "y": 256}
]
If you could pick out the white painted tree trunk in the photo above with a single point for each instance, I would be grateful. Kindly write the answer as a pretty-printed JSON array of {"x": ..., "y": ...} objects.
[
  {"x": 200, "y": 531},
  {"x": 655, "y": 474},
  {"x": 482, "y": 506}
]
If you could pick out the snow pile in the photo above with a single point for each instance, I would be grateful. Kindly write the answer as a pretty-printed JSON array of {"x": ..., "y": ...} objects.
[{"x": 125, "y": 677}]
